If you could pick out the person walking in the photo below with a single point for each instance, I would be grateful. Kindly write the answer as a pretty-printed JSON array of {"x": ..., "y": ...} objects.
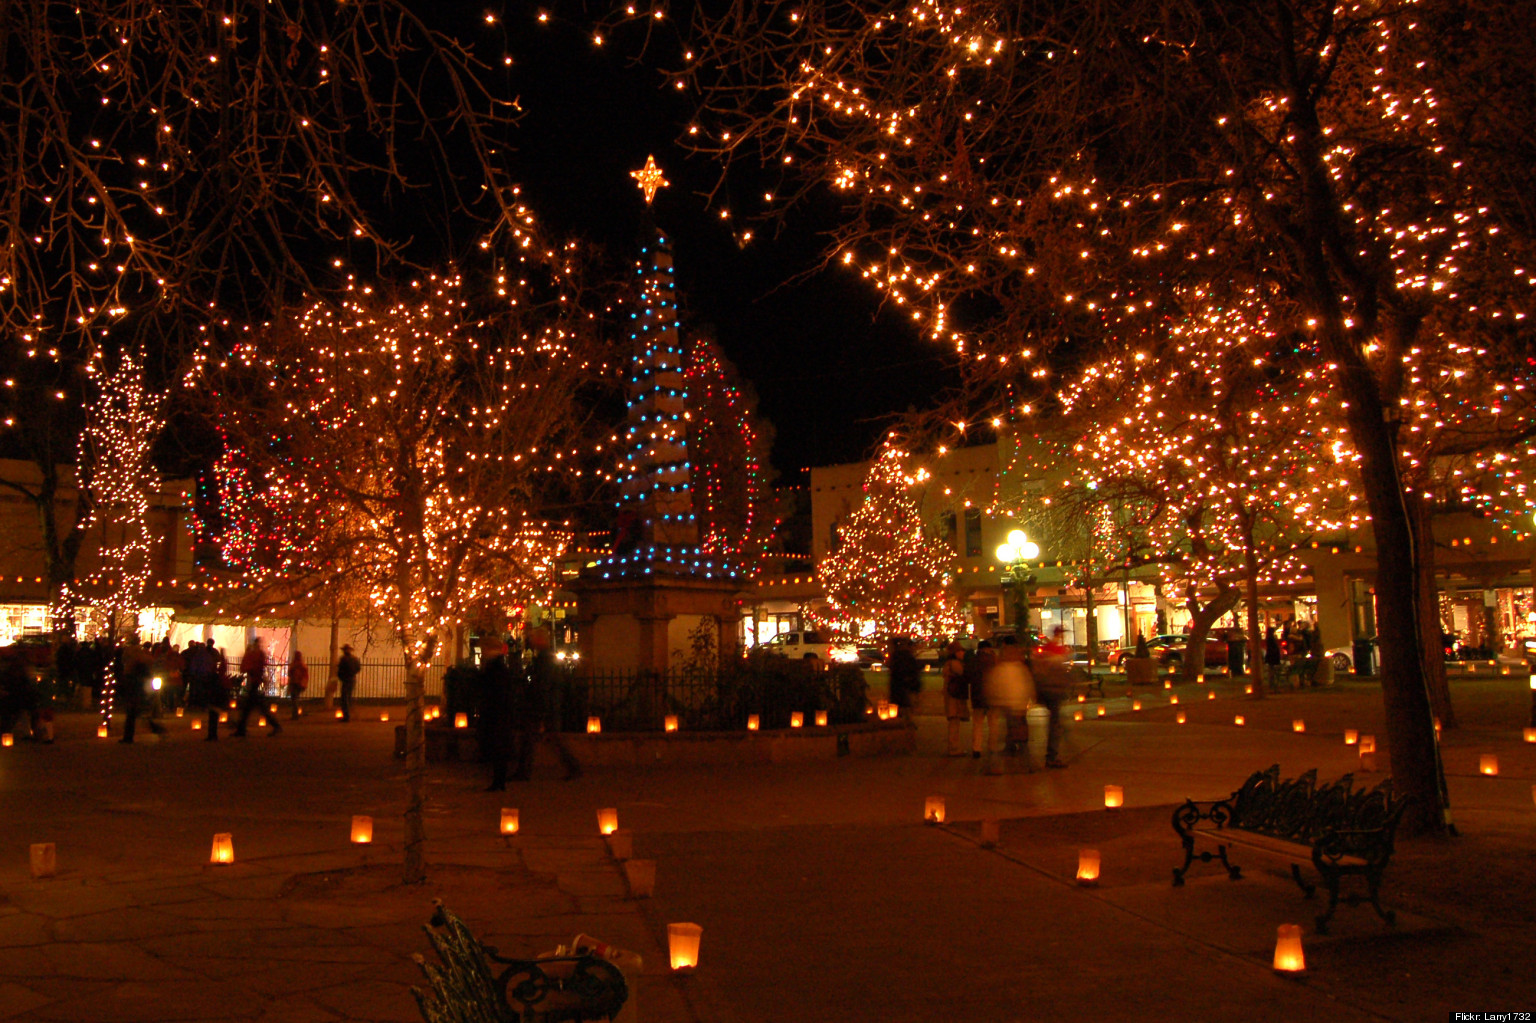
[
  {"x": 984, "y": 715},
  {"x": 957, "y": 696},
  {"x": 1053, "y": 684},
  {"x": 253, "y": 668},
  {"x": 132, "y": 682},
  {"x": 298, "y": 681},
  {"x": 347, "y": 669}
]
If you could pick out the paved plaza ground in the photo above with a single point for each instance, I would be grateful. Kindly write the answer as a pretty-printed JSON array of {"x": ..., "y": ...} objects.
[{"x": 821, "y": 893}]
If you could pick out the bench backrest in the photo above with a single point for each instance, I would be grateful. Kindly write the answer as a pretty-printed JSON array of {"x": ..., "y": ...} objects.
[{"x": 1300, "y": 810}]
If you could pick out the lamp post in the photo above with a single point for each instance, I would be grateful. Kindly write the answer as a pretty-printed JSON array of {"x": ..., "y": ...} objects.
[{"x": 1015, "y": 555}]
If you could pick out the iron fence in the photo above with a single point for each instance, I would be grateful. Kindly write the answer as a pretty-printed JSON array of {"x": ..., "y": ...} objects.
[{"x": 378, "y": 680}]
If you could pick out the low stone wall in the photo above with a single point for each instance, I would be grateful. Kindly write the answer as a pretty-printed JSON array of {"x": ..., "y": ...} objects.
[{"x": 637, "y": 749}]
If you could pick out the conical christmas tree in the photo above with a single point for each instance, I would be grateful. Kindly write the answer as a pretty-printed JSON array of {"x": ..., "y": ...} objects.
[{"x": 889, "y": 568}]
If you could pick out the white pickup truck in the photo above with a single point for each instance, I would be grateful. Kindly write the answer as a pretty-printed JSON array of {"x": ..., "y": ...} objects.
[{"x": 803, "y": 644}]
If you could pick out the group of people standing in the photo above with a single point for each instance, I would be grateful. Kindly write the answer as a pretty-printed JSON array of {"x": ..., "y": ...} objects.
[
  {"x": 519, "y": 704},
  {"x": 992, "y": 686},
  {"x": 1300, "y": 643}
]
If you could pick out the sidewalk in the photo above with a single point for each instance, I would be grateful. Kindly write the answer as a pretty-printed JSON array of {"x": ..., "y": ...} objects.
[{"x": 821, "y": 893}]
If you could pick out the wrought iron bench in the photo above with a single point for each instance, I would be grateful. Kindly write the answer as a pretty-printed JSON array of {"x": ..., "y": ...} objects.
[
  {"x": 1341, "y": 830},
  {"x": 463, "y": 989},
  {"x": 1089, "y": 682}
]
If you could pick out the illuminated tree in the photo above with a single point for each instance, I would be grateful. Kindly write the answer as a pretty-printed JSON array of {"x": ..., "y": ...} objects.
[
  {"x": 889, "y": 568},
  {"x": 1216, "y": 419},
  {"x": 1017, "y": 176},
  {"x": 407, "y": 445},
  {"x": 122, "y": 423},
  {"x": 171, "y": 166},
  {"x": 728, "y": 445}
]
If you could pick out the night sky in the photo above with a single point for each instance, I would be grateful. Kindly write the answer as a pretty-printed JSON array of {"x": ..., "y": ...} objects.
[{"x": 827, "y": 365}]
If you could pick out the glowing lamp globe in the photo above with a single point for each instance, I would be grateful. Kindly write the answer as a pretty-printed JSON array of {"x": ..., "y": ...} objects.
[
  {"x": 933, "y": 810},
  {"x": 1351, "y": 737},
  {"x": 1298, "y": 725},
  {"x": 509, "y": 821},
  {"x": 821, "y": 719},
  {"x": 101, "y": 731},
  {"x": 1488, "y": 764},
  {"x": 1367, "y": 744},
  {"x": 1288, "y": 955},
  {"x": 1211, "y": 694},
  {"x": 670, "y": 723},
  {"x": 7, "y": 739},
  {"x": 1530, "y": 735},
  {"x": 197, "y": 724},
  {"x": 1173, "y": 697},
  {"x": 1114, "y": 797},
  {"x": 683, "y": 946},
  {"x": 461, "y": 720},
  {"x": 753, "y": 723},
  {"x": 594, "y": 725},
  {"x": 362, "y": 830},
  {"x": 223, "y": 848},
  {"x": 1077, "y": 715},
  {"x": 1181, "y": 717},
  {"x": 1102, "y": 710},
  {"x": 1238, "y": 721},
  {"x": 1088, "y": 868},
  {"x": 608, "y": 820},
  {"x": 181, "y": 711},
  {"x": 339, "y": 714},
  {"x": 796, "y": 719}
]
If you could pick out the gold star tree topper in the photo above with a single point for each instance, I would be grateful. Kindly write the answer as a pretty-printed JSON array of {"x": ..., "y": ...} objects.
[{"x": 650, "y": 179}]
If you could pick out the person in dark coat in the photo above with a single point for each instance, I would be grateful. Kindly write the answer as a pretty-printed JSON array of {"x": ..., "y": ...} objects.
[
  {"x": 347, "y": 669},
  {"x": 494, "y": 728},
  {"x": 200, "y": 667},
  {"x": 1272, "y": 657},
  {"x": 906, "y": 673},
  {"x": 538, "y": 710}
]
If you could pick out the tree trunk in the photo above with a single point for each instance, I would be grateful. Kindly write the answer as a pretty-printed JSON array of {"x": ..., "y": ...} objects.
[
  {"x": 1255, "y": 641},
  {"x": 1429, "y": 616},
  {"x": 1415, "y": 758},
  {"x": 1200, "y": 619},
  {"x": 1093, "y": 626},
  {"x": 331, "y": 676},
  {"x": 415, "y": 772}
]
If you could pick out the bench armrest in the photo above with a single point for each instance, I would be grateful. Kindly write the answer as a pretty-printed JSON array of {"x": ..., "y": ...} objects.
[
  {"x": 1188, "y": 816},
  {"x": 1373, "y": 845}
]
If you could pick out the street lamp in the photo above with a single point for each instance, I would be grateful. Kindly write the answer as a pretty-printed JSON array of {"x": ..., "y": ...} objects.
[{"x": 1015, "y": 553}]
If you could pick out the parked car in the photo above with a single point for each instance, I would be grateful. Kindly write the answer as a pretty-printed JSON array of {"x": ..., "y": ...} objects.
[
  {"x": 807, "y": 645},
  {"x": 1343, "y": 657},
  {"x": 1169, "y": 649}
]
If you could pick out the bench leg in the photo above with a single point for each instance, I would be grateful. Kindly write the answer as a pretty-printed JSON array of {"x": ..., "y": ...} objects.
[
  {"x": 1373, "y": 882},
  {"x": 1189, "y": 856},
  {"x": 1234, "y": 872},
  {"x": 1331, "y": 879},
  {"x": 1301, "y": 882}
]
